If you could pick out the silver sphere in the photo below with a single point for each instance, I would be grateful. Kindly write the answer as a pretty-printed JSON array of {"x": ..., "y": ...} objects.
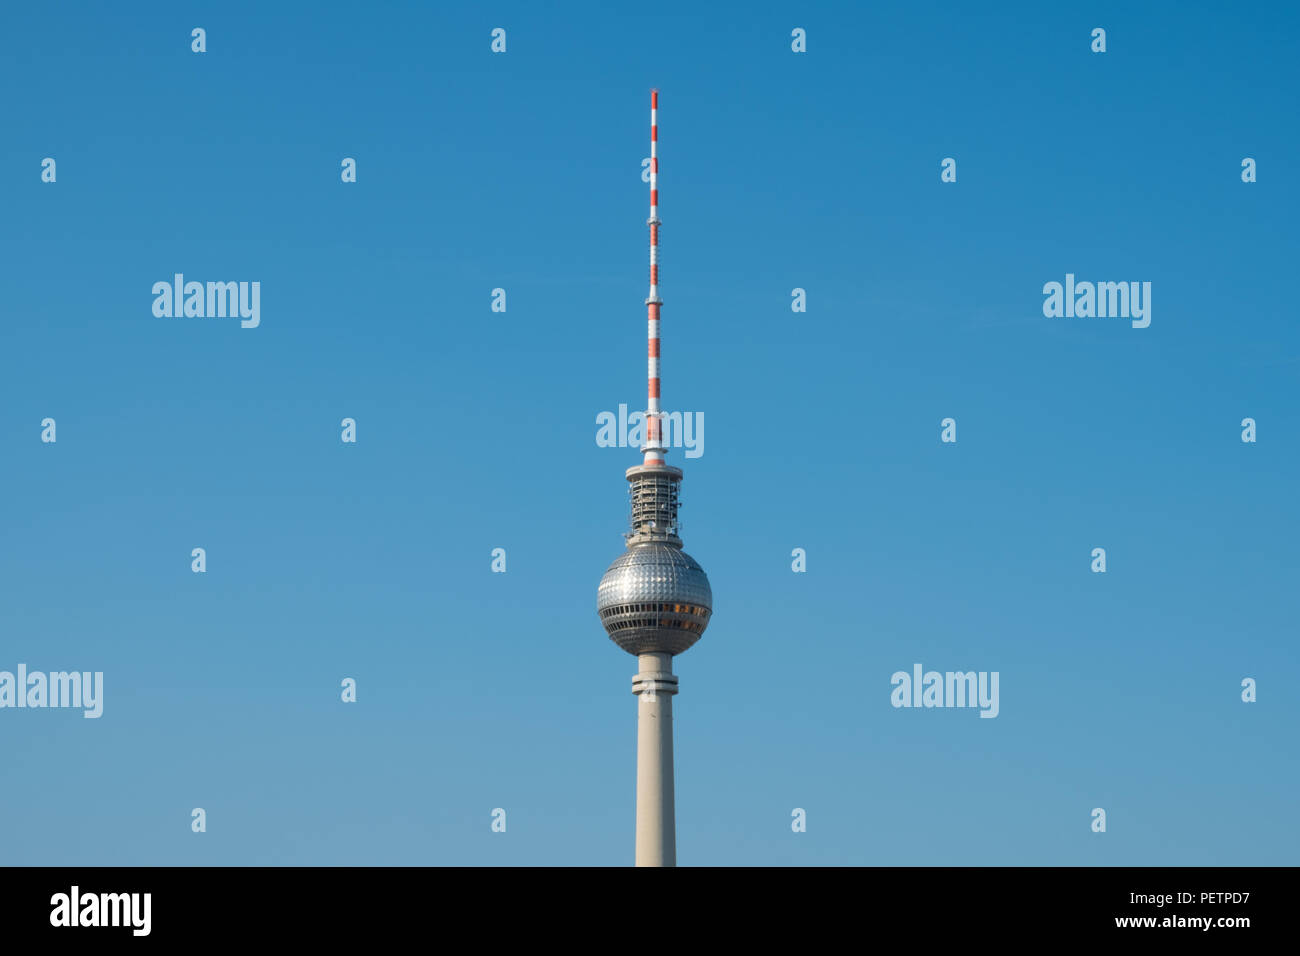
[{"x": 654, "y": 598}]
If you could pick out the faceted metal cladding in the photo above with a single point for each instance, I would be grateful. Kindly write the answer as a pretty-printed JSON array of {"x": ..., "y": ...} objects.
[{"x": 654, "y": 598}]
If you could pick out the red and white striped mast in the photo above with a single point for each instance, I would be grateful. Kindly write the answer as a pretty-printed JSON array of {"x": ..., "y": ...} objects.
[{"x": 654, "y": 446}]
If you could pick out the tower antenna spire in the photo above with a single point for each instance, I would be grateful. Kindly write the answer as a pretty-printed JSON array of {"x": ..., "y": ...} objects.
[{"x": 654, "y": 444}]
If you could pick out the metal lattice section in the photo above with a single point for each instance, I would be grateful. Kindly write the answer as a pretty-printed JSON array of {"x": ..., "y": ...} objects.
[{"x": 655, "y": 503}]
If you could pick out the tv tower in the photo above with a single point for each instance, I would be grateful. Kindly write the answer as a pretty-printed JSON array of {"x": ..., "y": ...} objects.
[{"x": 655, "y": 600}]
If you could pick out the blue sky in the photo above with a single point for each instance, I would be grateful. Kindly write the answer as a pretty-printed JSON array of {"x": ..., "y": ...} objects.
[{"x": 476, "y": 430}]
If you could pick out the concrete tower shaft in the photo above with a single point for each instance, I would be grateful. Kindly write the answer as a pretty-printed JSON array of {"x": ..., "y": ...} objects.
[{"x": 656, "y": 817}]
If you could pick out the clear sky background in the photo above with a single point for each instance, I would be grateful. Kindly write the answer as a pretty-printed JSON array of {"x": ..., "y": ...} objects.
[{"x": 476, "y": 429}]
